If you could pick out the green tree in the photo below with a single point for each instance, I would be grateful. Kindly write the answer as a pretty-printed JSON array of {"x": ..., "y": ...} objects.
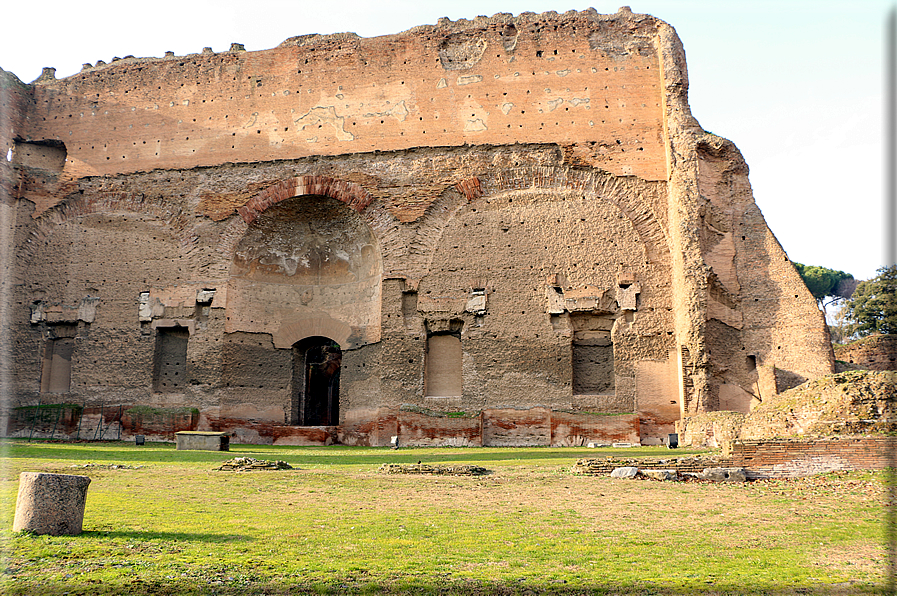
[
  {"x": 823, "y": 283},
  {"x": 873, "y": 306}
]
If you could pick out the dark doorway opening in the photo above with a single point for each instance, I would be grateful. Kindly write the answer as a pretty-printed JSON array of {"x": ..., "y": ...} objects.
[{"x": 316, "y": 367}]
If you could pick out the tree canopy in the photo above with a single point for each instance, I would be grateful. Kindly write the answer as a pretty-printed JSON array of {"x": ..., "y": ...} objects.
[
  {"x": 823, "y": 282},
  {"x": 873, "y": 306}
]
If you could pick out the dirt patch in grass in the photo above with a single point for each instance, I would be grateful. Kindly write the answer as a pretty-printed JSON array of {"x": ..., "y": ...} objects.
[{"x": 863, "y": 558}]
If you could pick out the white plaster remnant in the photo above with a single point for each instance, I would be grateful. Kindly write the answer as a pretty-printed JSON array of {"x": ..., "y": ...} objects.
[
  {"x": 325, "y": 115},
  {"x": 477, "y": 303},
  {"x": 506, "y": 107},
  {"x": 469, "y": 79},
  {"x": 554, "y": 103},
  {"x": 578, "y": 101},
  {"x": 627, "y": 297},
  {"x": 144, "y": 310},
  {"x": 555, "y": 297},
  {"x": 441, "y": 84},
  {"x": 398, "y": 111},
  {"x": 475, "y": 125},
  {"x": 37, "y": 313},
  {"x": 87, "y": 310},
  {"x": 204, "y": 296}
]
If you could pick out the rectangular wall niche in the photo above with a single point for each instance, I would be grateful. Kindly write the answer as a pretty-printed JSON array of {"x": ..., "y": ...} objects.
[
  {"x": 593, "y": 355},
  {"x": 56, "y": 368},
  {"x": 443, "y": 376},
  {"x": 170, "y": 361}
]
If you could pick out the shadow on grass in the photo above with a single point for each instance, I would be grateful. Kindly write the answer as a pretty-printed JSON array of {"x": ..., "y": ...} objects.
[{"x": 169, "y": 536}]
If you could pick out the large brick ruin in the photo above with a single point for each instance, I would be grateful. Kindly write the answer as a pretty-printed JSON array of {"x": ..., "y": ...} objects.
[{"x": 502, "y": 231}]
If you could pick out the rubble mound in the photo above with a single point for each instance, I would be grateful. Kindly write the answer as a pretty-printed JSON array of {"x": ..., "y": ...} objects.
[
  {"x": 459, "y": 470},
  {"x": 246, "y": 464},
  {"x": 847, "y": 403}
]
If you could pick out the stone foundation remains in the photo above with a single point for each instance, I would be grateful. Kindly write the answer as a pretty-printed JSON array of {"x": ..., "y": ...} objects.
[{"x": 502, "y": 231}]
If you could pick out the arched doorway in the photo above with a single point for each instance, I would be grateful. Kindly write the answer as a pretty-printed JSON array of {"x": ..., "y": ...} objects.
[{"x": 315, "y": 385}]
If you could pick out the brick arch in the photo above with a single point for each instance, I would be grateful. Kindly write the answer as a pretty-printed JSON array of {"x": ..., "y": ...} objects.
[
  {"x": 110, "y": 202},
  {"x": 349, "y": 193},
  {"x": 633, "y": 196},
  {"x": 382, "y": 223}
]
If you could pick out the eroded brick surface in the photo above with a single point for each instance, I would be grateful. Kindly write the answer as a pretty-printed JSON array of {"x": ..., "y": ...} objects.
[{"x": 532, "y": 187}]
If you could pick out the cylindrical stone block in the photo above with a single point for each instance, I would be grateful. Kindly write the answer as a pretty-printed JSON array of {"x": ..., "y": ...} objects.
[{"x": 51, "y": 503}]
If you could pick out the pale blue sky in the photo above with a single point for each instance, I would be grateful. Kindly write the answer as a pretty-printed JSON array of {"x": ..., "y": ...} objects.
[{"x": 796, "y": 84}]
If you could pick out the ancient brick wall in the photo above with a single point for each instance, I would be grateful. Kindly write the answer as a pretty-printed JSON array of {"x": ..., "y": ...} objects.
[
  {"x": 783, "y": 458},
  {"x": 875, "y": 352},
  {"x": 479, "y": 216}
]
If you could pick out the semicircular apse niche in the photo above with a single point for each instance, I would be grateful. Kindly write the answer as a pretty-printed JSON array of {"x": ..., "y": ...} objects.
[{"x": 307, "y": 266}]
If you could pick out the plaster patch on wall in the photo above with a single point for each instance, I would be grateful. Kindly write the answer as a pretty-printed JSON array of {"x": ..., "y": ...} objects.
[
  {"x": 325, "y": 115},
  {"x": 475, "y": 125},
  {"x": 398, "y": 111},
  {"x": 554, "y": 103}
]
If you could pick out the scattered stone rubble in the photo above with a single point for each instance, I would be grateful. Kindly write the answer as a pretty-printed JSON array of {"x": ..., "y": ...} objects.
[
  {"x": 605, "y": 465},
  {"x": 711, "y": 474},
  {"x": 678, "y": 468},
  {"x": 246, "y": 464},
  {"x": 459, "y": 470},
  {"x": 107, "y": 466}
]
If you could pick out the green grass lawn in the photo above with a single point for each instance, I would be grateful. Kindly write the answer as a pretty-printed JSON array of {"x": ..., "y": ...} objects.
[{"x": 169, "y": 523}]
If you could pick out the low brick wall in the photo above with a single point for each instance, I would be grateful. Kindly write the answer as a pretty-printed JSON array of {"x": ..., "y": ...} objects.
[
  {"x": 578, "y": 430},
  {"x": 421, "y": 430},
  {"x": 304, "y": 435},
  {"x": 801, "y": 457},
  {"x": 504, "y": 427}
]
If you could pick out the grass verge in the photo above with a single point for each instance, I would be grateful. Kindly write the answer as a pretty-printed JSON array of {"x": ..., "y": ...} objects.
[{"x": 165, "y": 522}]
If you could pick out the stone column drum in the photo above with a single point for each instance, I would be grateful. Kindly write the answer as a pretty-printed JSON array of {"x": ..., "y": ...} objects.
[{"x": 51, "y": 503}]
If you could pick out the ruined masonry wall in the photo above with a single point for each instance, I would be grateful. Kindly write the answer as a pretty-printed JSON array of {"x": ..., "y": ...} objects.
[
  {"x": 580, "y": 78},
  {"x": 875, "y": 352},
  {"x": 506, "y": 181}
]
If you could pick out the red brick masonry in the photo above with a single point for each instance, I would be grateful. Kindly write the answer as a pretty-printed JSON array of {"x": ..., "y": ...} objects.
[{"x": 797, "y": 457}]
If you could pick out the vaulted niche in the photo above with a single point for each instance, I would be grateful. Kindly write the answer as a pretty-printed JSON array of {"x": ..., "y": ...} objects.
[
  {"x": 307, "y": 266},
  {"x": 307, "y": 272}
]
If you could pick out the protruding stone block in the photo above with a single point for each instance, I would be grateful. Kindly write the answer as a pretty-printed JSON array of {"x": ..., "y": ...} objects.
[
  {"x": 51, "y": 503},
  {"x": 202, "y": 441},
  {"x": 661, "y": 474},
  {"x": 624, "y": 472}
]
